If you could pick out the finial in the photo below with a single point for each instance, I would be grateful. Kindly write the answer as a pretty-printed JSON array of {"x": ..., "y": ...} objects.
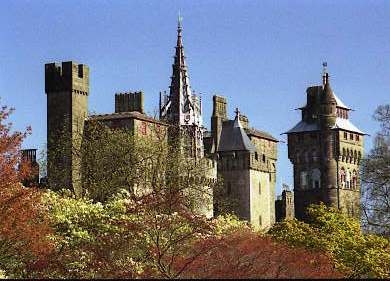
[
  {"x": 237, "y": 112},
  {"x": 325, "y": 74},
  {"x": 179, "y": 21},
  {"x": 324, "y": 65}
]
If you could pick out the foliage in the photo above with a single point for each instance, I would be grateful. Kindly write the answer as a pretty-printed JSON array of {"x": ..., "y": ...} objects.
[
  {"x": 331, "y": 231},
  {"x": 376, "y": 177},
  {"x": 247, "y": 254},
  {"x": 24, "y": 228},
  {"x": 89, "y": 242}
]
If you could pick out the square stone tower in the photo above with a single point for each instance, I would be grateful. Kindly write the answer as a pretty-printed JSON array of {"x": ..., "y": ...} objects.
[
  {"x": 246, "y": 164},
  {"x": 67, "y": 89},
  {"x": 325, "y": 149}
]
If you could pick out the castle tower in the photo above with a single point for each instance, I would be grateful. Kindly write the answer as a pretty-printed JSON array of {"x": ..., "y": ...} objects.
[
  {"x": 325, "y": 149},
  {"x": 284, "y": 205},
  {"x": 246, "y": 163},
  {"x": 67, "y": 89},
  {"x": 182, "y": 107},
  {"x": 219, "y": 115}
]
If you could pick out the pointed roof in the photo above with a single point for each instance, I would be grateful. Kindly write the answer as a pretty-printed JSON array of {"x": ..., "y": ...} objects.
[
  {"x": 180, "y": 81},
  {"x": 327, "y": 94},
  {"x": 233, "y": 137}
]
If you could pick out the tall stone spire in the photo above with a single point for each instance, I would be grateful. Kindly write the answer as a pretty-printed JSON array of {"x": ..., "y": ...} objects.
[{"x": 182, "y": 107}]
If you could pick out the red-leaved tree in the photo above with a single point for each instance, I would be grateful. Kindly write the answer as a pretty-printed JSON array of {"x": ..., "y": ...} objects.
[
  {"x": 23, "y": 228},
  {"x": 247, "y": 254}
]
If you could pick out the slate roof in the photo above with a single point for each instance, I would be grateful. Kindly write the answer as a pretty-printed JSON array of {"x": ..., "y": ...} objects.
[
  {"x": 341, "y": 123},
  {"x": 234, "y": 138},
  {"x": 261, "y": 134},
  {"x": 339, "y": 103}
]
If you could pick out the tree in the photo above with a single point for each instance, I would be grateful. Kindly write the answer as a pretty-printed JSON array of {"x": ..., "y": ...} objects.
[
  {"x": 376, "y": 177},
  {"x": 359, "y": 255},
  {"x": 247, "y": 254},
  {"x": 24, "y": 228},
  {"x": 167, "y": 195}
]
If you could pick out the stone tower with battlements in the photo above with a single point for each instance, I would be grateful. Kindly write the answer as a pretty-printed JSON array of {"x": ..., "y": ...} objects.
[
  {"x": 325, "y": 149},
  {"x": 67, "y": 89}
]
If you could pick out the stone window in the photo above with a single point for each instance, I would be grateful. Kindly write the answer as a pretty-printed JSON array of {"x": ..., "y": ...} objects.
[
  {"x": 342, "y": 177},
  {"x": 354, "y": 179},
  {"x": 256, "y": 156},
  {"x": 259, "y": 187},
  {"x": 80, "y": 71},
  {"x": 316, "y": 176},
  {"x": 345, "y": 135},
  {"x": 348, "y": 179},
  {"x": 357, "y": 137},
  {"x": 351, "y": 136},
  {"x": 260, "y": 221},
  {"x": 263, "y": 157}
]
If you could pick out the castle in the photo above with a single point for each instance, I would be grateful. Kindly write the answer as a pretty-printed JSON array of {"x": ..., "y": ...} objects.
[{"x": 325, "y": 148}]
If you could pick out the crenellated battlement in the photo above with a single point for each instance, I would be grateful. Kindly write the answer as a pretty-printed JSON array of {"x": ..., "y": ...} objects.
[
  {"x": 129, "y": 101},
  {"x": 67, "y": 76}
]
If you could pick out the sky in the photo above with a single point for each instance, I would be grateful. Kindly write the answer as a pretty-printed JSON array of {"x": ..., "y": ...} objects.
[{"x": 260, "y": 55}]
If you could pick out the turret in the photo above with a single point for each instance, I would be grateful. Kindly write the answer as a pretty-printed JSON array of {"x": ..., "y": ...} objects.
[
  {"x": 327, "y": 122},
  {"x": 328, "y": 103}
]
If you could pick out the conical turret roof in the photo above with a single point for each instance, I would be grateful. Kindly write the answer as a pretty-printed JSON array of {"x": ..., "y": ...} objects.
[{"x": 327, "y": 93}]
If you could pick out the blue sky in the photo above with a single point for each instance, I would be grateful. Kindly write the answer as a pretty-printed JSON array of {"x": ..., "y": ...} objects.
[{"x": 261, "y": 55}]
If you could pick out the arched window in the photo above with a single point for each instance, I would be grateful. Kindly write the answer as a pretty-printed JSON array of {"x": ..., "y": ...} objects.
[
  {"x": 342, "y": 177},
  {"x": 354, "y": 179},
  {"x": 348, "y": 179},
  {"x": 316, "y": 176},
  {"x": 355, "y": 156}
]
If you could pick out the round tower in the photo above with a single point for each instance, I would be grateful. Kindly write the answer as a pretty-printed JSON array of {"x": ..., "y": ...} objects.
[{"x": 328, "y": 144}]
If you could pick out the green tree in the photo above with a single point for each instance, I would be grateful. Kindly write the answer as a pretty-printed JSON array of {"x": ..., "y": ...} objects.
[{"x": 360, "y": 255}]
